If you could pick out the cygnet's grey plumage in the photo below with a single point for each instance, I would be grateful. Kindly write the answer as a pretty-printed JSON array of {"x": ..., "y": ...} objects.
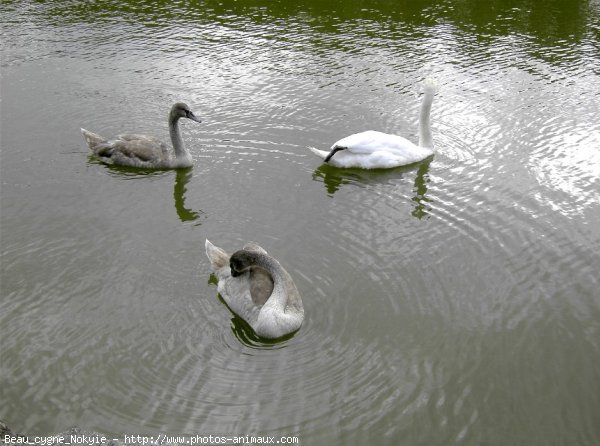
[
  {"x": 258, "y": 289},
  {"x": 145, "y": 151}
]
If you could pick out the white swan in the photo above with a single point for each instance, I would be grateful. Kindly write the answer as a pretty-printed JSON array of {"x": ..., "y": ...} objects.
[
  {"x": 257, "y": 288},
  {"x": 145, "y": 151},
  {"x": 377, "y": 150}
]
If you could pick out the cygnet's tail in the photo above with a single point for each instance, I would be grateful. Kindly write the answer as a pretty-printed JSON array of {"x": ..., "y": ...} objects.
[
  {"x": 218, "y": 258},
  {"x": 93, "y": 140}
]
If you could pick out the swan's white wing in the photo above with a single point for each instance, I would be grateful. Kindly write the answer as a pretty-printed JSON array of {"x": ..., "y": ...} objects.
[
  {"x": 375, "y": 160},
  {"x": 237, "y": 293},
  {"x": 372, "y": 141}
]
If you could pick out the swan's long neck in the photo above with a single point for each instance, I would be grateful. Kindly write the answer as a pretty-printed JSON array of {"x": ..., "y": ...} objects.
[
  {"x": 181, "y": 152},
  {"x": 279, "y": 296},
  {"x": 425, "y": 138}
]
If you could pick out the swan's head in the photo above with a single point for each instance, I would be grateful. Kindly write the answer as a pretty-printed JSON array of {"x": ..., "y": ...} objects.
[
  {"x": 181, "y": 110},
  {"x": 240, "y": 261}
]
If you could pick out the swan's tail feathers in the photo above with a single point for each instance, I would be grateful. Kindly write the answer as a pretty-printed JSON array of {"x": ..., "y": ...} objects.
[
  {"x": 430, "y": 86},
  {"x": 320, "y": 153},
  {"x": 93, "y": 140},
  {"x": 218, "y": 258}
]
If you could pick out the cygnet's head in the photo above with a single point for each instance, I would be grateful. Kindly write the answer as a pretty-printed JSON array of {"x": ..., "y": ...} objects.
[
  {"x": 181, "y": 110},
  {"x": 240, "y": 261}
]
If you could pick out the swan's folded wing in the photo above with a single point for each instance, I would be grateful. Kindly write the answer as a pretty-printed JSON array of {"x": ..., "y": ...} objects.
[
  {"x": 237, "y": 295},
  {"x": 138, "y": 137},
  {"x": 372, "y": 141},
  {"x": 141, "y": 149},
  {"x": 261, "y": 285},
  {"x": 363, "y": 143}
]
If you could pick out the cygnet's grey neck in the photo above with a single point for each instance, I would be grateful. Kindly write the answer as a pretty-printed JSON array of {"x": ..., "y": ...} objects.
[
  {"x": 280, "y": 277},
  {"x": 180, "y": 150}
]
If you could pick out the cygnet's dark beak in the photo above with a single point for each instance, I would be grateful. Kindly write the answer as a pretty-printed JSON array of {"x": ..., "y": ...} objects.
[
  {"x": 235, "y": 273},
  {"x": 192, "y": 116}
]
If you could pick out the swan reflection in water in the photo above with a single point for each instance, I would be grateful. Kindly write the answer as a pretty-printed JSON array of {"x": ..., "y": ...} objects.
[
  {"x": 182, "y": 178},
  {"x": 334, "y": 178}
]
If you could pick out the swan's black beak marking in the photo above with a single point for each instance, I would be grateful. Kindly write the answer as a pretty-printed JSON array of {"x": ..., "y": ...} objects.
[{"x": 333, "y": 152}]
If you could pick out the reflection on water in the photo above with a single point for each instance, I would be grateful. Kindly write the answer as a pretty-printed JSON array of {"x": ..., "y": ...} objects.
[
  {"x": 334, "y": 178},
  {"x": 126, "y": 172},
  {"x": 422, "y": 202},
  {"x": 246, "y": 335},
  {"x": 182, "y": 177}
]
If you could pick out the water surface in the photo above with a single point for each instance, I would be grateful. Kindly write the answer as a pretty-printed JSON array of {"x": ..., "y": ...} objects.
[{"x": 451, "y": 302}]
